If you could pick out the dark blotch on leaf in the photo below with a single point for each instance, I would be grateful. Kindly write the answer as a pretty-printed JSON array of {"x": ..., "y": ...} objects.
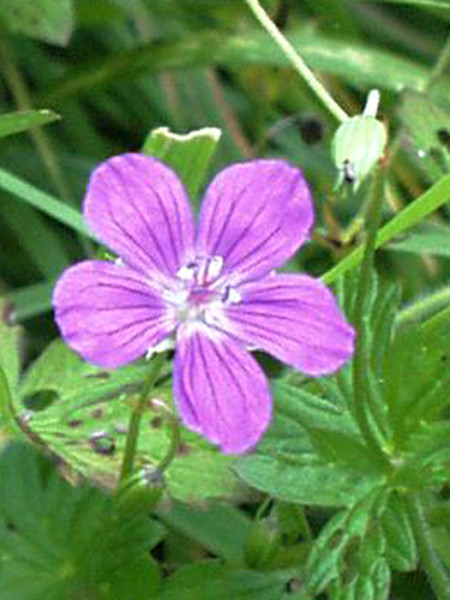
[
  {"x": 183, "y": 449},
  {"x": 75, "y": 423},
  {"x": 97, "y": 413},
  {"x": 40, "y": 400},
  {"x": 156, "y": 422},
  {"x": 102, "y": 443}
]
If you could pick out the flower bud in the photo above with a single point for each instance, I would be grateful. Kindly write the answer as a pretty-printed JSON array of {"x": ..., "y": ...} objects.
[
  {"x": 140, "y": 493},
  {"x": 358, "y": 144}
]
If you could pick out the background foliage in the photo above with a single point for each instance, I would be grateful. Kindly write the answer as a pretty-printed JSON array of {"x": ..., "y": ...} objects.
[{"x": 347, "y": 496}]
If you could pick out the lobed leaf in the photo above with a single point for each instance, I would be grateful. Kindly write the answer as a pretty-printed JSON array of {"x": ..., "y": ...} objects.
[
  {"x": 210, "y": 579},
  {"x": 84, "y": 420},
  {"x": 64, "y": 542}
]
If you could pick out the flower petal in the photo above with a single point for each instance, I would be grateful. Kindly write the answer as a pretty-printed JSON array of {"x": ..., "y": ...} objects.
[
  {"x": 109, "y": 314},
  {"x": 220, "y": 390},
  {"x": 255, "y": 215},
  {"x": 295, "y": 318},
  {"x": 138, "y": 207}
]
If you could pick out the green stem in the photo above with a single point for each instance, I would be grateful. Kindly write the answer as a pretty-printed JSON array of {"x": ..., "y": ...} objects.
[
  {"x": 440, "y": 66},
  {"x": 438, "y": 575},
  {"x": 136, "y": 416},
  {"x": 171, "y": 453},
  {"x": 361, "y": 400},
  {"x": 300, "y": 66}
]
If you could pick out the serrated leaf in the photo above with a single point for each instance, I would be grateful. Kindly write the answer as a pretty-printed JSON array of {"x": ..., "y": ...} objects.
[
  {"x": 286, "y": 466},
  {"x": 188, "y": 154},
  {"x": 401, "y": 550},
  {"x": 64, "y": 542},
  {"x": 210, "y": 579},
  {"x": 348, "y": 556},
  {"x": 416, "y": 384},
  {"x": 22, "y": 121},
  {"x": 342, "y": 449},
  {"x": 86, "y": 425}
]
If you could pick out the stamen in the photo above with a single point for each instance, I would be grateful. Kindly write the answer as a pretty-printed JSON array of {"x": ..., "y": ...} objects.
[
  {"x": 187, "y": 273},
  {"x": 208, "y": 269},
  {"x": 232, "y": 296}
]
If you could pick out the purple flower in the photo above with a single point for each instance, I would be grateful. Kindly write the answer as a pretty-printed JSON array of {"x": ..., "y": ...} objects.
[{"x": 212, "y": 288}]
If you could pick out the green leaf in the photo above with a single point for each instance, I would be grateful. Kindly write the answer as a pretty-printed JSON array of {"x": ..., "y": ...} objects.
[
  {"x": 415, "y": 377},
  {"x": 64, "y": 542},
  {"x": 421, "y": 207},
  {"x": 50, "y": 206},
  {"x": 428, "y": 127},
  {"x": 341, "y": 449},
  {"x": 220, "y": 528},
  {"x": 355, "y": 63},
  {"x": 445, "y": 4},
  {"x": 10, "y": 337},
  {"x": 50, "y": 21},
  {"x": 424, "y": 309},
  {"x": 42, "y": 245},
  {"x": 31, "y": 300},
  {"x": 86, "y": 424},
  {"x": 287, "y": 466},
  {"x": 348, "y": 556},
  {"x": 401, "y": 550},
  {"x": 22, "y": 121},
  {"x": 209, "y": 579},
  {"x": 188, "y": 154},
  {"x": 10, "y": 364},
  {"x": 428, "y": 238}
]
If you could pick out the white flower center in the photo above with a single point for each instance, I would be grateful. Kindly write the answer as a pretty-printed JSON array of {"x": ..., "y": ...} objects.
[{"x": 202, "y": 289}]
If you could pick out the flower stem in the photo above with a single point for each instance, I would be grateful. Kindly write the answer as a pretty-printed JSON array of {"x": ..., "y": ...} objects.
[
  {"x": 136, "y": 416},
  {"x": 438, "y": 576},
  {"x": 361, "y": 401},
  {"x": 298, "y": 63},
  {"x": 173, "y": 447}
]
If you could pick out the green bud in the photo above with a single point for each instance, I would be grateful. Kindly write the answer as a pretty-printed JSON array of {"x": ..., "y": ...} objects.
[
  {"x": 140, "y": 493},
  {"x": 359, "y": 144}
]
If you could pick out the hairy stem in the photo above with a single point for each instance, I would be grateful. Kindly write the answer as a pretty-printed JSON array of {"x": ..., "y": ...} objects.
[
  {"x": 136, "y": 417},
  {"x": 361, "y": 400},
  {"x": 297, "y": 62},
  {"x": 438, "y": 575}
]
